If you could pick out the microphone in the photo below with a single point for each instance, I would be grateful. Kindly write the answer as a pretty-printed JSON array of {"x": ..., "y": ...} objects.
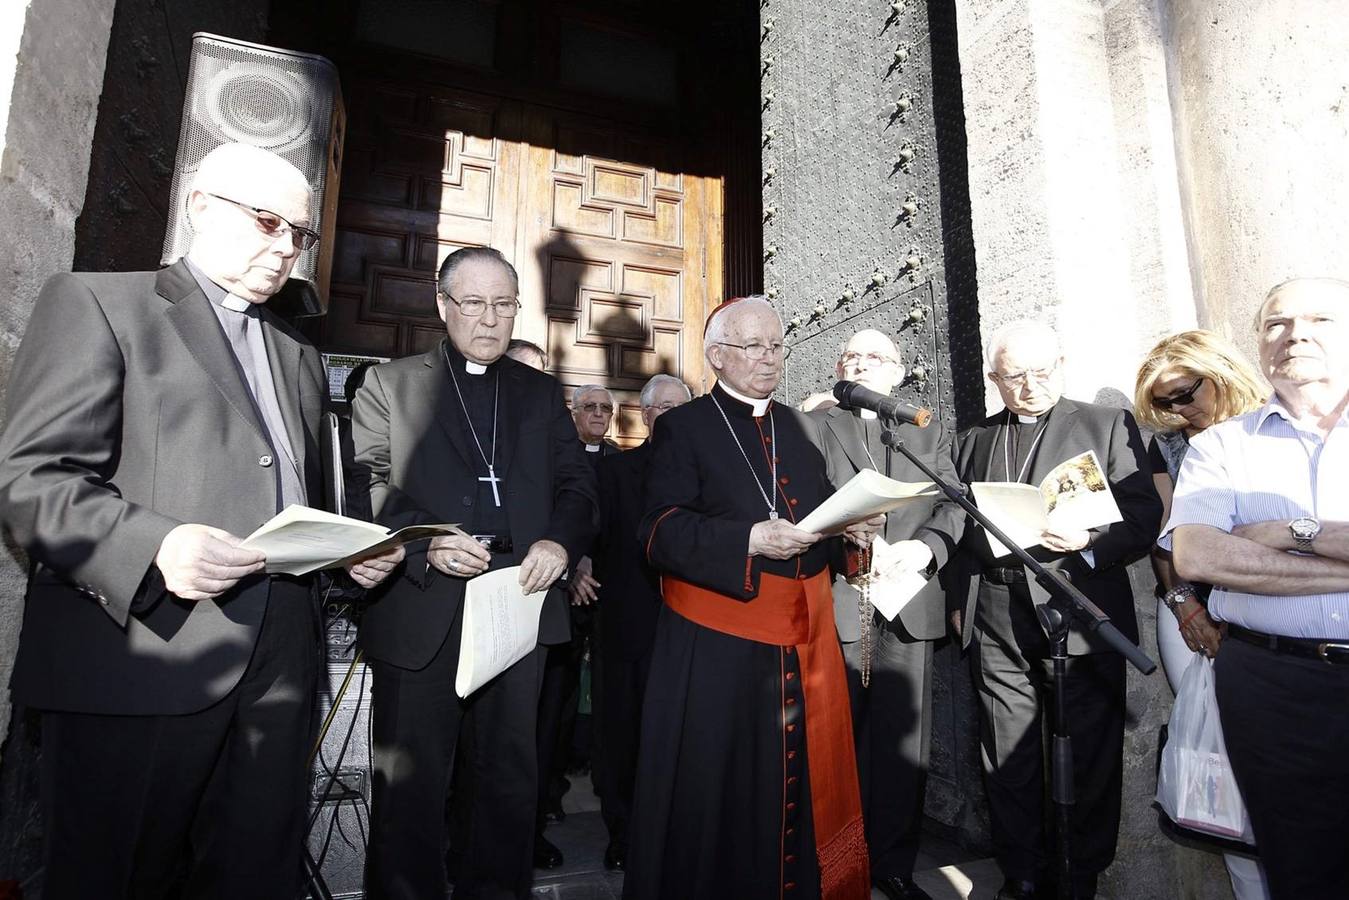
[{"x": 850, "y": 393}]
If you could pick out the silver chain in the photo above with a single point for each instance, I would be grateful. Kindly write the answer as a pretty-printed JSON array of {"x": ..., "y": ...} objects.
[
  {"x": 496, "y": 395},
  {"x": 773, "y": 459}
]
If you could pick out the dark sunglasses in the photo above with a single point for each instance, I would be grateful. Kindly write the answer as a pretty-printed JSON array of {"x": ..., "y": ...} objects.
[{"x": 1184, "y": 398}]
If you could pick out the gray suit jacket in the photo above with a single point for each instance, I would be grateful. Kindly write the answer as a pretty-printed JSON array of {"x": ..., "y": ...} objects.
[
  {"x": 938, "y": 526},
  {"x": 128, "y": 416}
]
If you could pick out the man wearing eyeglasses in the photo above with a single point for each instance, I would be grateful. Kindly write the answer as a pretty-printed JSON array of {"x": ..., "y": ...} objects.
[
  {"x": 891, "y": 701},
  {"x": 993, "y": 609},
  {"x": 746, "y": 780},
  {"x": 463, "y": 433},
  {"x": 154, "y": 419},
  {"x": 561, "y": 746}
]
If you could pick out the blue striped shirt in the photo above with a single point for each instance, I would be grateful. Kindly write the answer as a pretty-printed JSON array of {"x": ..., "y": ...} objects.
[{"x": 1260, "y": 467}]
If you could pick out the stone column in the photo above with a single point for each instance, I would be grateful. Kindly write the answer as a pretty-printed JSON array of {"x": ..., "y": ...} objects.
[
  {"x": 1078, "y": 219},
  {"x": 1261, "y": 96},
  {"x": 52, "y": 55}
]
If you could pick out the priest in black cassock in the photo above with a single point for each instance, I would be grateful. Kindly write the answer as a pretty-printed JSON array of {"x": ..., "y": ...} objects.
[
  {"x": 463, "y": 434},
  {"x": 890, "y": 662},
  {"x": 994, "y": 602},
  {"x": 746, "y": 781}
]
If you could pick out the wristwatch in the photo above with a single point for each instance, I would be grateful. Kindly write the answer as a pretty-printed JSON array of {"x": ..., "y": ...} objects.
[
  {"x": 1304, "y": 530},
  {"x": 1177, "y": 595}
]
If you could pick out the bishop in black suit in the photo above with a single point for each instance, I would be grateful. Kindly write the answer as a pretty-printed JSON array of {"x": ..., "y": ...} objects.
[
  {"x": 891, "y": 715},
  {"x": 463, "y": 434},
  {"x": 994, "y": 603},
  {"x": 154, "y": 419}
]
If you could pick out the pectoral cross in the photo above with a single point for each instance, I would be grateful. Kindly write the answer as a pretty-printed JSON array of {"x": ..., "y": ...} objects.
[{"x": 491, "y": 478}]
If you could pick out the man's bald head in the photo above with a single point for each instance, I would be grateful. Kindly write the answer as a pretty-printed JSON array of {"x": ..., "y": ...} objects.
[
  {"x": 236, "y": 186},
  {"x": 871, "y": 359}
]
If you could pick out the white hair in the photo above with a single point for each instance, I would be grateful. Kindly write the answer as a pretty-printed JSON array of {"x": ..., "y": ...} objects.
[
  {"x": 1000, "y": 338},
  {"x": 649, "y": 389},
  {"x": 584, "y": 389},
  {"x": 226, "y": 165},
  {"x": 721, "y": 319}
]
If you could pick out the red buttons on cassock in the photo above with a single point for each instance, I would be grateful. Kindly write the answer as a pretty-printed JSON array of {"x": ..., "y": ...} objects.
[
  {"x": 791, "y": 728},
  {"x": 791, "y": 675},
  {"x": 791, "y": 806},
  {"x": 792, "y": 779},
  {"x": 791, "y": 885},
  {"x": 791, "y": 701},
  {"x": 791, "y": 754},
  {"x": 789, "y": 858},
  {"x": 792, "y": 501},
  {"x": 783, "y": 480}
]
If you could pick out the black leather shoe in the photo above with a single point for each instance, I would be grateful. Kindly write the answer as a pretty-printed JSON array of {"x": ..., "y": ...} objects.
[
  {"x": 1018, "y": 890},
  {"x": 897, "y": 887},
  {"x": 546, "y": 854},
  {"x": 615, "y": 857}
]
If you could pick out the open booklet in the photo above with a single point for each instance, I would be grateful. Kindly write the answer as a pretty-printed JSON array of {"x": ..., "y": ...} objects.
[
  {"x": 501, "y": 625},
  {"x": 299, "y": 539},
  {"x": 1074, "y": 496},
  {"x": 892, "y": 587},
  {"x": 866, "y": 494}
]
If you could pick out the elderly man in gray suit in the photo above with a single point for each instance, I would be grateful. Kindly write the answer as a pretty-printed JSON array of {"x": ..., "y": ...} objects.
[
  {"x": 153, "y": 418},
  {"x": 890, "y": 663}
]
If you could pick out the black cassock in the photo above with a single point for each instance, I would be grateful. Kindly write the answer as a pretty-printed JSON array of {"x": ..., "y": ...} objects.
[{"x": 723, "y": 799}]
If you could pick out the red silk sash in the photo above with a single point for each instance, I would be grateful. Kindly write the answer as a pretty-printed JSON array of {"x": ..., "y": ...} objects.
[{"x": 800, "y": 613}]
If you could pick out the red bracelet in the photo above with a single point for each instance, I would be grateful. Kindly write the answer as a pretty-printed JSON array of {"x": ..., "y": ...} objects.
[{"x": 1190, "y": 618}]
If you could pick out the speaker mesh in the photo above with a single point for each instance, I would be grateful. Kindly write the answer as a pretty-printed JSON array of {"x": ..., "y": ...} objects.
[{"x": 282, "y": 101}]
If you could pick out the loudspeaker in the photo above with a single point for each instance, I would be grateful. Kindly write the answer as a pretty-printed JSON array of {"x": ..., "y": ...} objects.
[{"x": 285, "y": 102}]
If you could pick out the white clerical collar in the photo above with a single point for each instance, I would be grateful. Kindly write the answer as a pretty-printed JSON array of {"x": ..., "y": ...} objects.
[
  {"x": 473, "y": 368},
  {"x": 1027, "y": 420},
  {"x": 867, "y": 413},
  {"x": 760, "y": 406},
  {"x": 592, "y": 448},
  {"x": 237, "y": 304}
]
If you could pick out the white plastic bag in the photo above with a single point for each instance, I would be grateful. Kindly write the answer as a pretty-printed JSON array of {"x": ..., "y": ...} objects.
[{"x": 1195, "y": 785}]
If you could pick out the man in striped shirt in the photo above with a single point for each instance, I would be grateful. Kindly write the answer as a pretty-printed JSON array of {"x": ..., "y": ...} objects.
[{"x": 1261, "y": 511}]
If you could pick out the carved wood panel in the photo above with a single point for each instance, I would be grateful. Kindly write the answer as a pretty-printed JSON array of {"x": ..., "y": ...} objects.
[{"x": 618, "y": 250}]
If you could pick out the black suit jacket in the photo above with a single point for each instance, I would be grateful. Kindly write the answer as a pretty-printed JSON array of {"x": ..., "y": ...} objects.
[
  {"x": 629, "y": 588},
  {"x": 128, "y": 416},
  {"x": 939, "y": 525},
  {"x": 416, "y": 462},
  {"x": 1073, "y": 428}
]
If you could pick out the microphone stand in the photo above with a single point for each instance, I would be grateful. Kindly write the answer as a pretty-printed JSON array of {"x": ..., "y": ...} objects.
[{"x": 1065, "y": 602}]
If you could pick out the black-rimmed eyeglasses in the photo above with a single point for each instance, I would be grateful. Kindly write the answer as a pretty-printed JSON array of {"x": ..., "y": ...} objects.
[
  {"x": 273, "y": 225},
  {"x": 1184, "y": 398},
  {"x": 759, "y": 351}
]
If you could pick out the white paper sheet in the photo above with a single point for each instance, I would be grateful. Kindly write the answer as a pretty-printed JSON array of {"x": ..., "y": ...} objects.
[
  {"x": 501, "y": 625},
  {"x": 893, "y": 587},
  {"x": 866, "y": 494},
  {"x": 300, "y": 539}
]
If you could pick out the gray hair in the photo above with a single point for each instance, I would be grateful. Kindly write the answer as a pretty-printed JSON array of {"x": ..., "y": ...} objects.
[
  {"x": 1274, "y": 292},
  {"x": 998, "y": 341},
  {"x": 716, "y": 326},
  {"x": 467, "y": 254},
  {"x": 584, "y": 389},
  {"x": 649, "y": 389}
]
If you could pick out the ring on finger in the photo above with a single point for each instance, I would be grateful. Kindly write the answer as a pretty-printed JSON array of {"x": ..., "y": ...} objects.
[{"x": 454, "y": 564}]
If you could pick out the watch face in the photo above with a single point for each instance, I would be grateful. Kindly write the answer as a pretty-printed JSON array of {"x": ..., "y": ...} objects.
[{"x": 1304, "y": 527}]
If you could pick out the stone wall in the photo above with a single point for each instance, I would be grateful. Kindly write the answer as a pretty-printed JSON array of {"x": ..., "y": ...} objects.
[{"x": 1261, "y": 96}]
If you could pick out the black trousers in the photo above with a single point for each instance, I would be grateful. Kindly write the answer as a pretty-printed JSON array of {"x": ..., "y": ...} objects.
[
  {"x": 416, "y": 719},
  {"x": 1286, "y": 725},
  {"x": 1013, "y": 677},
  {"x": 892, "y": 728},
  {"x": 622, "y": 686},
  {"x": 204, "y": 805}
]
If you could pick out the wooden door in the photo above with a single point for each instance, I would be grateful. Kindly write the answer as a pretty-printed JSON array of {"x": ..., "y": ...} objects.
[{"x": 618, "y": 249}]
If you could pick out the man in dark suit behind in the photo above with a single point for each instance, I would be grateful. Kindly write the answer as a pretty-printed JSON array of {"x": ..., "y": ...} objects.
[
  {"x": 463, "y": 434},
  {"x": 891, "y": 715},
  {"x": 629, "y": 595},
  {"x": 154, "y": 418},
  {"x": 993, "y": 607}
]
